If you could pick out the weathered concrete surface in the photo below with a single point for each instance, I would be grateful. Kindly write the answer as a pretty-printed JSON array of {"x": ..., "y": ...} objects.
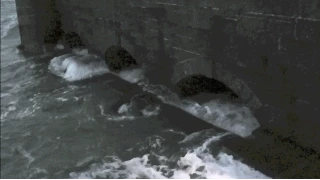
[
  {"x": 265, "y": 51},
  {"x": 275, "y": 156},
  {"x": 28, "y": 19},
  {"x": 39, "y": 23},
  {"x": 257, "y": 41}
]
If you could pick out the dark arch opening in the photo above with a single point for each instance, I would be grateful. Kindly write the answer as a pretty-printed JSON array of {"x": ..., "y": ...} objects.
[
  {"x": 73, "y": 40},
  {"x": 50, "y": 21},
  {"x": 195, "y": 84},
  {"x": 54, "y": 30},
  {"x": 117, "y": 58}
]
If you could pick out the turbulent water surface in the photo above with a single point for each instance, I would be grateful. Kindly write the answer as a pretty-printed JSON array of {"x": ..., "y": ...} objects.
[{"x": 57, "y": 121}]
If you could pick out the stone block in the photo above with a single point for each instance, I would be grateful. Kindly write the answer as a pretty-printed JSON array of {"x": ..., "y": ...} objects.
[
  {"x": 178, "y": 15},
  {"x": 310, "y": 9},
  {"x": 24, "y": 3},
  {"x": 24, "y": 11},
  {"x": 202, "y": 18},
  {"x": 127, "y": 45},
  {"x": 142, "y": 3},
  {"x": 27, "y": 20},
  {"x": 308, "y": 30},
  {"x": 290, "y": 8}
]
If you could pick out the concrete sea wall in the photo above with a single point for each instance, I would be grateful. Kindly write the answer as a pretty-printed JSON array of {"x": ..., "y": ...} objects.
[{"x": 265, "y": 51}]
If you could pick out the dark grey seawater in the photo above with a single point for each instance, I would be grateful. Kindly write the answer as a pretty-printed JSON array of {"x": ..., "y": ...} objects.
[{"x": 54, "y": 125}]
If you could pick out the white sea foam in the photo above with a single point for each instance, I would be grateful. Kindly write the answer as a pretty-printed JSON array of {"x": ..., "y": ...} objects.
[
  {"x": 175, "y": 132},
  {"x": 8, "y": 23},
  {"x": 5, "y": 111},
  {"x": 115, "y": 117},
  {"x": 61, "y": 99},
  {"x": 5, "y": 94},
  {"x": 234, "y": 118},
  {"x": 124, "y": 108},
  {"x": 151, "y": 110},
  {"x": 59, "y": 46},
  {"x": 81, "y": 65},
  {"x": 127, "y": 110},
  {"x": 80, "y": 51},
  {"x": 190, "y": 137},
  {"x": 196, "y": 163},
  {"x": 73, "y": 67},
  {"x": 132, "y": 76},
  {"x": 25, "y": 154},
  {"x": 38, "y": 172}
]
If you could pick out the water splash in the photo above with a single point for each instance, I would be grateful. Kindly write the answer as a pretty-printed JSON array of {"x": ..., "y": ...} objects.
[
  {"x": 234, "y": 118},
  {"x": 73, "y": 67},
  {"x": 132, "y": 76},
  {"x": 196, "y": 163}
]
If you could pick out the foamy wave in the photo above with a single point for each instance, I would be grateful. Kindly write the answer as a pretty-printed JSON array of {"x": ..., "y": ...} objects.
[
  {"x": 12, "y": 63},
  {"x": 59, "y": 47},
  {"x": 124, "y": 108},
  {"x": 151, "y": 110},
  {"x": 152, "y": 143},
  {"x": 73, "y": 67},
  {"x": 115, "y": 117},
  {"x": 30, "y": 111},
  {"x": 125, "y": 113},
  {"x": 38, "y": 173},
  {"x": 224, "y": 166},
  {"x": 80, "y": 65},
  {"x": 175, "y": 132},
  {"x": 202, "y": 164},
  {"x": 5, "y": 94},
  {"x": 6, "y": 110},
  {"x": 114, "y": 168},
  {"x": 134, "y": 108},
  {"x": 234, "y": 118},
  {"x": 25, "y": 154},
  {"x": 56, "y": 64},
  {"x": 7, "y": 24},
  {"x": 132, "y": 76},
  {"x": 196, "y": 163},
  {"x": 190, "y": 137},
  {"x": 80, "y": 51},
  {"x": 61, "y": 99}
]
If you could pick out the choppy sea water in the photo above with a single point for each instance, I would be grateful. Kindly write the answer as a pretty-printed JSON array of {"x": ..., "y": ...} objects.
[{"x": 58, "y": 121}]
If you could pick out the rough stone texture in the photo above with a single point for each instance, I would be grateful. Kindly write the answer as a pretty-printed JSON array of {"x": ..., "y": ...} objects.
[
  {"x": 28, "y": 18},
  {"x": 187, "y": 30},
  {"x": 39, "y": 24},
  {"x": 265, "y": 51}
]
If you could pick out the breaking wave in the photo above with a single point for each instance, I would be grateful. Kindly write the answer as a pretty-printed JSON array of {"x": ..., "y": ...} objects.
[
  {"x": 74, "y": 67},
  {"x": 197, "y": 162},
  {"x": 234, "y": 118}
]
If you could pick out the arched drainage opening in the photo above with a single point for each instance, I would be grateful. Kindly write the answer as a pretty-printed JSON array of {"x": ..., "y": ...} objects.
[
  {"x": 72, "y": 40},
  {"x": 117, "y": 58},
  {"x": 53, "y": 31},
  {"x": 196, "y": 84}
]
